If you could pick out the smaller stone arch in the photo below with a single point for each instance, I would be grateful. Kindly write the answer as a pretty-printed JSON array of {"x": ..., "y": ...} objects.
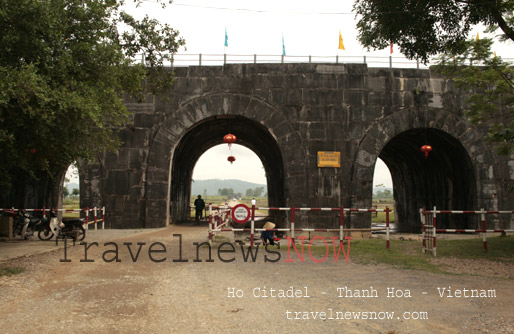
[{"x": 452, "y": 177}]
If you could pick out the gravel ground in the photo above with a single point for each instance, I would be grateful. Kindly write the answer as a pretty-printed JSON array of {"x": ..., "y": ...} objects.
[{"x": 176, "y": 297}]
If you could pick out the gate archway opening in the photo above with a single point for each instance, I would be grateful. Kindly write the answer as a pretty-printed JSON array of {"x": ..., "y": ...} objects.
[
  {"x": 445, "y": 179},
  {"x": 209, "y": 133},
  {"x": 218, "y": 181}
]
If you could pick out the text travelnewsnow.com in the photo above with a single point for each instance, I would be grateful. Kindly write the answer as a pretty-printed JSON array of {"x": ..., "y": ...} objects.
[{"x": 225, "y": 252}]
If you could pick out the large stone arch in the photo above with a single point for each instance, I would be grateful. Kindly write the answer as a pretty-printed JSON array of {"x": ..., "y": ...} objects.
[
  {"x": 184, "y": 127},
  {"x": 460, "y": 159}
]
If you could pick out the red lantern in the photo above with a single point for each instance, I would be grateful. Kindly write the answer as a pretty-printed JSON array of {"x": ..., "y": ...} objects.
[
  {"x": 231, "y": 159},
  {"x": 229, "y": 139},
  {"x": 426, "y": 149}
]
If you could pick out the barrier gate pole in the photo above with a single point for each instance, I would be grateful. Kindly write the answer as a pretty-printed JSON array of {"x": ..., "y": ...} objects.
[
  {"x": 87, "y": 218},
  {"x": 435, "y": 231},
  {"x": 422, "y": 217},
  {"x": 94, "y": 217},
  {"x": 341, "y": 227},
  {"x": 292, "y": 224},
  {"x": 387, "y": 227},
  {"x": 210, "y": 224},
  {"x": 252, "y": 227},
  {"x": 484, "y": 233}
]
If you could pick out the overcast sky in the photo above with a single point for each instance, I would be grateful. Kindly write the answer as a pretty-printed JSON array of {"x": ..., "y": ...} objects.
[{"x": 257, "y": 27}]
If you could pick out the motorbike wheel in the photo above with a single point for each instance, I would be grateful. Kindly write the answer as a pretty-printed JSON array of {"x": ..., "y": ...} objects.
[
  {"x": 81, "y": 233},
  {"x": 45, "y": 234}
]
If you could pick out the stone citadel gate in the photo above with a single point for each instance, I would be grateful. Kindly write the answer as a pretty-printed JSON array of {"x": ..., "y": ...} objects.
[{"x": 286, "y": 114}]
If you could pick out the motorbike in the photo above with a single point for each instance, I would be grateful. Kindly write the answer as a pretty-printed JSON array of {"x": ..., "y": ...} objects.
[
  {"x": 66, "y": 228},
  {"x": 24, "y": 224}
]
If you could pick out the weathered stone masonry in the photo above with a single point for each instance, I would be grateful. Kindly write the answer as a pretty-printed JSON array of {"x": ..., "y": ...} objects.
[{"x": 286, "y": 113}]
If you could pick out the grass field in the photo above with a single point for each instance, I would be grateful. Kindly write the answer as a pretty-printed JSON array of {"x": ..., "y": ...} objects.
[
  {"x": 69, "y": 204},
  {"x": 407, "y": 254}
]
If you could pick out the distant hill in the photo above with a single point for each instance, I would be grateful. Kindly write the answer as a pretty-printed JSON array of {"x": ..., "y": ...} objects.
[{"x": 212, "y": 186}]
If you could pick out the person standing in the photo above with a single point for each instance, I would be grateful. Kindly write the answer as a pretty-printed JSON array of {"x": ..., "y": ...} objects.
[{"x": 199, "y": 206}]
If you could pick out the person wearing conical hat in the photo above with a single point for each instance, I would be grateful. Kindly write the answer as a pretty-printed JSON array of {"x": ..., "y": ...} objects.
[{"x": 268, "y": 236}]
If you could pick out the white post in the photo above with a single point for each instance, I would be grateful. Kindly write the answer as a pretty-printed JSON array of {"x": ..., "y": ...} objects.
[
  {"x": 210, "y": 224},
  {"x": 422, "y": 217},
  {"x": 252, "y": 227},
  {"x": 434, "y": 223}
]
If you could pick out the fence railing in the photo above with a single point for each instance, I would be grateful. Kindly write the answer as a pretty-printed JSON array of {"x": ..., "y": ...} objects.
[
  {"x": 200, "y": 59},
  {"x": 430, "y": 230},
  {"x": 340, "y": 212},
  {"x": 94, "y": 215}
]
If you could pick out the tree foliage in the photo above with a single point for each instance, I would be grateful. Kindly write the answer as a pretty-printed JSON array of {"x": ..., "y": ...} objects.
[
  {"x": 429, "y": 27},
  {"x": 490, "y": 81},
  {"x": 257, "y": 192},
  {"x": 65, "y": 65}
]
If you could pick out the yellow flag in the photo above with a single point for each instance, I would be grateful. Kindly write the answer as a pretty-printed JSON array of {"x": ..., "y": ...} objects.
[{"x": 341, "y": 45}]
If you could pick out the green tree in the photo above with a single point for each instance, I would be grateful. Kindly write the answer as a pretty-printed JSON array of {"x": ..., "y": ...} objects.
[
  {"x": 75, "y": 192},
  {"x": 65, "y": 192},
  {"x": 429, "y": 27},
  {"x": 65, "y": 65},
  {"x": 258, "y": 191},
  {"x": 250, "y": 192},
  {"x": 490, "y": 82}
]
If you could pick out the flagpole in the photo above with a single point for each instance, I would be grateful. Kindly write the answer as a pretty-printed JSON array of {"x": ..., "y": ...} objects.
[
  {"x": 225, "y": 45},
  {"x": 340, "y": 46}
]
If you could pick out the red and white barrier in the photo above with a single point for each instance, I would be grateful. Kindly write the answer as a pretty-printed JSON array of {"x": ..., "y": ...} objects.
[
  {"x": 214, "y": 229},
  {"x": 217, "y": 220},
  {"x": 430, "y": 230},
  {"x": 86, "y": 210}
]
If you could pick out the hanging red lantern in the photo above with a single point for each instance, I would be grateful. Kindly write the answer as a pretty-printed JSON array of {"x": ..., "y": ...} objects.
[
  {"x": 231, "y": 159},
  {"x": 426, "y": 149},
  {"x": 229, "y": 139}
]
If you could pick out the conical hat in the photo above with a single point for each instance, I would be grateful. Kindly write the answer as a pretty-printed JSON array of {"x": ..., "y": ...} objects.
[{"x": 269, "y": 226}]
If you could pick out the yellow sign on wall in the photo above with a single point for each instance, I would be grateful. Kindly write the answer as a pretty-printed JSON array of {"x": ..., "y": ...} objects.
[{"x": 329, "y": 159}]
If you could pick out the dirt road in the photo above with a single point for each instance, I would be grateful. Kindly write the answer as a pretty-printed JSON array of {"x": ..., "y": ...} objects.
[{"x": 141, "y": 295}]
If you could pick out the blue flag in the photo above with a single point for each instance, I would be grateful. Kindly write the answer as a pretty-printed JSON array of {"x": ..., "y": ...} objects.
[
  {"x": 283, "y": 47},
  {"x": 226, "y": 37}
]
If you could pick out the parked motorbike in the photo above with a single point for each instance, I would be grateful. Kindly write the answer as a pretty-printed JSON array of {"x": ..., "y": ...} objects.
[
  {"x": 68, "y": 228},
  {"x": 24, "y": 225}
]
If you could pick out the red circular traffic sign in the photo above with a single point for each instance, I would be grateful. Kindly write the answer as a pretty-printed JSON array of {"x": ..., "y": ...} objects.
[{"x": 240, "y": 213}]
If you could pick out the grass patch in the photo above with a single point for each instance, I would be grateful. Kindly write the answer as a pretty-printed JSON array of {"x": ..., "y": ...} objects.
[
  {"x": 407, "y": 254},
  {"x": 221, "y": 238},
  {"x": 9, "y": 271},
  {"x": 380, "y": 217},
  {"x": 498, "y": 248},
  {"x": 401, "y": 254},
  {"x": 71, "y": 204}
]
